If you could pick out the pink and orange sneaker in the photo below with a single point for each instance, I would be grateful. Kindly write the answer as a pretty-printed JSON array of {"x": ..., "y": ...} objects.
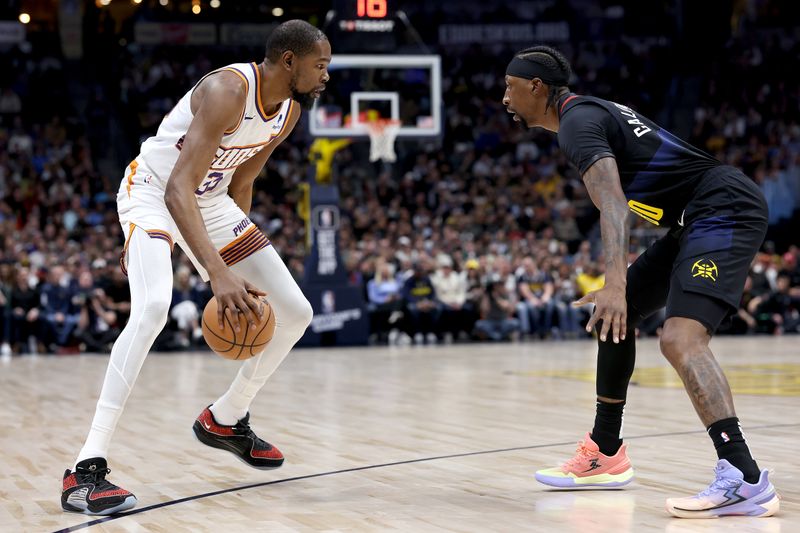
[{"x": 590, "y": 468}]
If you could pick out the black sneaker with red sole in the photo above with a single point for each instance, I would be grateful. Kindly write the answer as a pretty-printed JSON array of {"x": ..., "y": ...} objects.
[
  {"x": 86, "y": 490},
  {"x": 238, "y": 439}
]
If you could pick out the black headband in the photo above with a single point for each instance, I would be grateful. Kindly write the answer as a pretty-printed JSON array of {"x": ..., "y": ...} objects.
[{"x": 522, "y": 68}]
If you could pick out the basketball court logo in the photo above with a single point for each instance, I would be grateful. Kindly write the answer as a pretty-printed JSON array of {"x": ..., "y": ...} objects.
[{"x": 706, "y": 269}]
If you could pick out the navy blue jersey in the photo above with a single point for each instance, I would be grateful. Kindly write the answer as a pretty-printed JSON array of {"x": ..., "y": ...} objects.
[{"x": 659, "y": 172}]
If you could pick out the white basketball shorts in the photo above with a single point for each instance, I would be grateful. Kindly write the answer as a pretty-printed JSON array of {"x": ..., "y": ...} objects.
[{"x": 140, "y": 203}]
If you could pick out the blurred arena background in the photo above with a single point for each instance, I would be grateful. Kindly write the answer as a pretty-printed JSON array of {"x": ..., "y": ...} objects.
[{"x": 478, "y": 208}]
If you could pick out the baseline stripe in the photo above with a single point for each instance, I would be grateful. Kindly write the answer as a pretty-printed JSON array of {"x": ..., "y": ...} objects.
[{"x": 170, "y": 503}]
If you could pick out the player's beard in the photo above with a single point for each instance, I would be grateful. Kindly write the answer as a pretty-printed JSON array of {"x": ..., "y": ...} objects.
[{"x": 306, "y": 100}]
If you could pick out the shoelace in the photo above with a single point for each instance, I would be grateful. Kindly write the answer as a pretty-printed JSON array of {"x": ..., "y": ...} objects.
[
  {"x": 98, "y": 477},
  {"x": 247, "y": 432},
  {"x": 582, "y": 453},
  {"x": 720, "y": 483}
]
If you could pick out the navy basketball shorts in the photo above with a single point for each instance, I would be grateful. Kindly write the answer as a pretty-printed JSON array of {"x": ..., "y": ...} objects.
[{"x": 698, "y": 271}]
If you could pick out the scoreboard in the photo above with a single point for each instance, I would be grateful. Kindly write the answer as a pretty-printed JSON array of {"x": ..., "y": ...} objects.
[
  {"x": 362, "y": 9},
  {"x": 363, "y": 26}
]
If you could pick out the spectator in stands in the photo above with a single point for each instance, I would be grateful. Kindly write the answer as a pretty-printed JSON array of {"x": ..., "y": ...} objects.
[
  {"x": 764, "y": 275},
  {"x": 475, "y": 292},
  {"x": 404, "y": 252},
  {"x": 114, "y": 283},
  {"x": 184, "y": 310},
  {"x": 501, "y": 270},
  {"x": 451, "y": 292},
  {"x": 59, "y": 313},
  {"x": 421, "y": 311},
  {"x": 384, "y": 302},
  {"x": 565, "y": 226},
  {"x": 779, "y": 312},
  {"x": 589, "y": 278},
  {"x": 536, "y": 303},
  {"x": 566, "y": 293},
  {"x": 592, "y": 278},
  {"x": 97, "y": 322},
  {"x": 497, "y": 320},
  {"x": 25, "y": 320},
  {"x": 791, "y": 268}
]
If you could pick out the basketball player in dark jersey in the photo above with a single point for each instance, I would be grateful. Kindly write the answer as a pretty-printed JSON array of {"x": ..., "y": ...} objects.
[{"x": 717, "y": 219}]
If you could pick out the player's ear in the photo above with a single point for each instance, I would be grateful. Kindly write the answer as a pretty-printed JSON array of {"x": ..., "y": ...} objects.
[{"x": 287, "y": 58}]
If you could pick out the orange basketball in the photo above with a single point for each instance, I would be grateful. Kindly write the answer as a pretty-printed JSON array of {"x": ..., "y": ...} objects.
[{"x": 247, "y": 343}]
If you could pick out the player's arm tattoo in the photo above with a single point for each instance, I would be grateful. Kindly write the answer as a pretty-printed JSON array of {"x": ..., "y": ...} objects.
[{"x": 603, "y": 183}]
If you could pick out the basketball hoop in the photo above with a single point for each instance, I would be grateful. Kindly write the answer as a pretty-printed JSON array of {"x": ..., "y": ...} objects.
[{"x": 382, "y": 134}]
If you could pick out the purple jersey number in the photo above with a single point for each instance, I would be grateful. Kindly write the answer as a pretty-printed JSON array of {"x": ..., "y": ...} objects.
[{"x": 210, "y": 184}]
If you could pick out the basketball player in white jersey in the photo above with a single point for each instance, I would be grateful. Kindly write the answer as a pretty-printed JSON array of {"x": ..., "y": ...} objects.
[{"x": 192, "y": 185}]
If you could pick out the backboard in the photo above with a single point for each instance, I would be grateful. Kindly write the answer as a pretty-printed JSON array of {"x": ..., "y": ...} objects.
[{"x": 364, "y": 88}]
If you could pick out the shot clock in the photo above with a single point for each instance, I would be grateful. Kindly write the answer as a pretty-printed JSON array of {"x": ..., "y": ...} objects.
[{"x": 358, "y": 25}]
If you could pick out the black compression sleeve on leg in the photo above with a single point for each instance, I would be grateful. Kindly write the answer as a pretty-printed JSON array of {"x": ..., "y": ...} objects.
[{"x": 615, "y": 364}]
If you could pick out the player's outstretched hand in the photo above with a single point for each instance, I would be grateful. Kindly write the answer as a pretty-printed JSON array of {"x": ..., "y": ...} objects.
[
  {"x": 236, "y": 295},
  {"x": 611, "y": 308}
]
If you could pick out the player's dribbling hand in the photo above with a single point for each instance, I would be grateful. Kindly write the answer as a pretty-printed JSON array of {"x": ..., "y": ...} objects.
[
  {"x": 611, "y": 308},
  {"x": 236, "y": 295}
]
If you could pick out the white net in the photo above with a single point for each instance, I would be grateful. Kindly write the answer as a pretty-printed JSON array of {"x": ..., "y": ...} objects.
[{"x": 382, "y": 134}]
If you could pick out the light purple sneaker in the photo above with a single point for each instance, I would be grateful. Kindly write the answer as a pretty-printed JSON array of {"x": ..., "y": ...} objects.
[{"x": 728, "y": 495}]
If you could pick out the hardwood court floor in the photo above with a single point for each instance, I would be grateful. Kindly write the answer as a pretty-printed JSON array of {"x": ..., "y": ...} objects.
[{"x": 411, "y": 439}]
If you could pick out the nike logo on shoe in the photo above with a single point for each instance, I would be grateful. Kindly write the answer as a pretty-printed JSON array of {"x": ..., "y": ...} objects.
[
  {"x": 680, "y": 221},
  {"x": 206, "y": 425}
]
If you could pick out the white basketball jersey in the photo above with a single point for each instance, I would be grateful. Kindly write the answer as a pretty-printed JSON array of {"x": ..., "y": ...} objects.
[{"x": 254, "y": 131}]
